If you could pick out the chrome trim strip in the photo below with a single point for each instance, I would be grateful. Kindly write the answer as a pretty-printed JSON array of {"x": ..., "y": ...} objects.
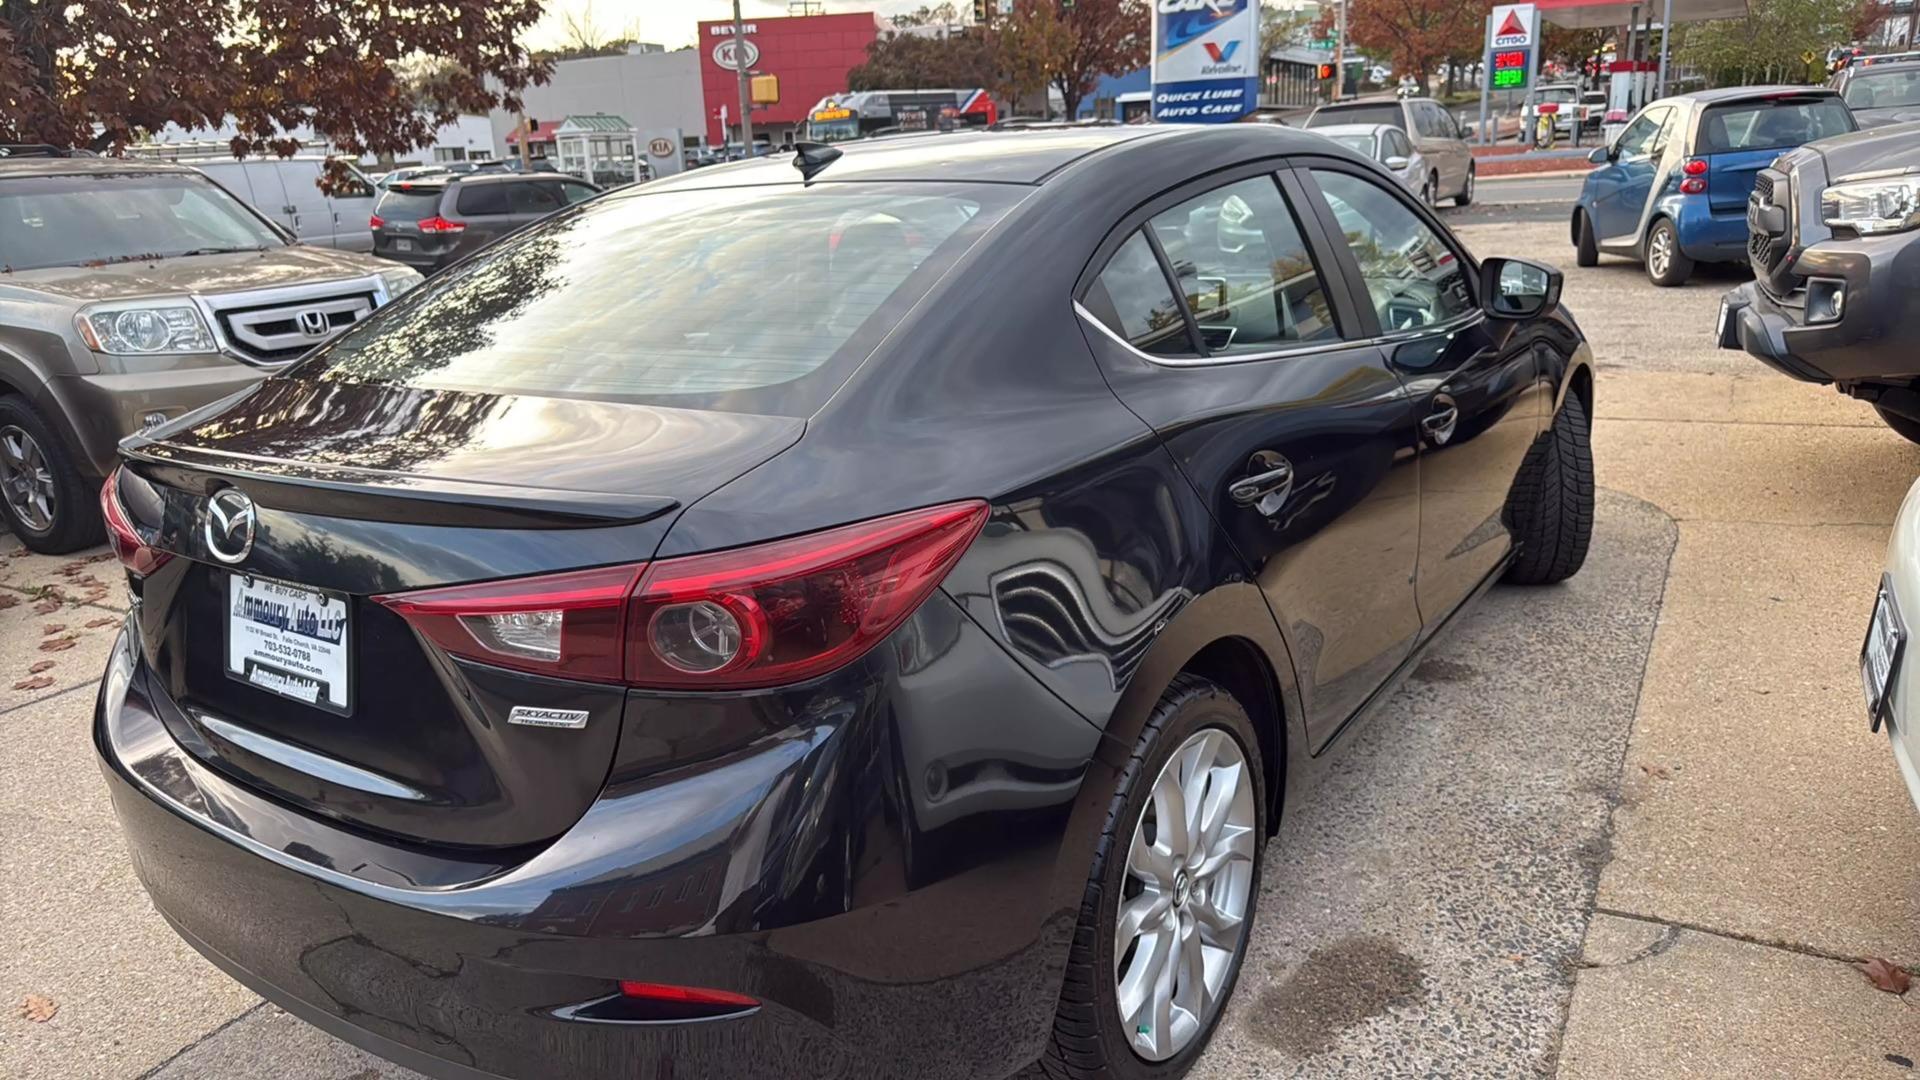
[
  {"x": 306, "y": 761},
  {"x": 1215, "y": 361}
]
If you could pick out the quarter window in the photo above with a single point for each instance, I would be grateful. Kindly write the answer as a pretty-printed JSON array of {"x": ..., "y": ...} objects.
[
  {"x": 1413, "y": 278},
  {"x": 1133, "y": 298},
  {"x": 1238, "y": 258}
]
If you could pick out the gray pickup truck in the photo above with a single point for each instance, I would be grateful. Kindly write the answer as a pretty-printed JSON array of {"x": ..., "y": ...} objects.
[{"x": 130, "y": 293}]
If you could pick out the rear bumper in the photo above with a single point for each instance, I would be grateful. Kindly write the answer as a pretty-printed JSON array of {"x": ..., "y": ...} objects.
[
  {"x": 927, "y": 953},
  {"x": 1871, "y": 343},
  {"x": 1706, "y": 236}
]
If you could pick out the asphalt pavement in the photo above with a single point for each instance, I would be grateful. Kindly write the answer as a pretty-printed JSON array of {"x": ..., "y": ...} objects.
[{"x": 1629, "y": 826}]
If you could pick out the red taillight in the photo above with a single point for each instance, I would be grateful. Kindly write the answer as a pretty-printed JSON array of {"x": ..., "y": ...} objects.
[
  {"x": 437, "y": 225},
  {"x": 375, "y": 221},
  {"x": 690, "y": 995},
  {"x": 1695, "y": 167},
  {"x": 759, "y": 616},
  {"x": 1692, "y": 185},
  {"x": 133, "y": 552}
]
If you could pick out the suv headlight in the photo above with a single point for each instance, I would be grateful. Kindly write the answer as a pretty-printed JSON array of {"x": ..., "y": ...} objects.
[
  {"x": 149, "y": 329},
  {"x": 1884, "y": 205},
  {"x": 398, "y": 279}
]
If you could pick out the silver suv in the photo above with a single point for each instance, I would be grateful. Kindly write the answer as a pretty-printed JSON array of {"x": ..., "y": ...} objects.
[{"x": 130, "y": 293}]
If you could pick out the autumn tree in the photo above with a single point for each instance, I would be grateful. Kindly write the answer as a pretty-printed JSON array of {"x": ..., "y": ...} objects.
[
  {"x": 102, "y": 73},
  {"x": 917, "y": 61},
  {"x": 1418, "y": 34},
  {"x": 1095, "y": 38},
  {"x": 1771, "y": 43}
]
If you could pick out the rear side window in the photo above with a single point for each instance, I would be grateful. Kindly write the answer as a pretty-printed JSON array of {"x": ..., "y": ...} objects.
[
  {"x": 1133, "y": 298},
  {"x": 481, "y": 200},
  {"x": 750, "y": 299},
  {"x": 408, "y": 204},
  {"x": 1382, "y": 113},
  {"x": 1238, "y": 257},
  {"x": 576, "y": 192},
  {"x": 535, "y": 197},
  {"x": 1769, "y": 125}
]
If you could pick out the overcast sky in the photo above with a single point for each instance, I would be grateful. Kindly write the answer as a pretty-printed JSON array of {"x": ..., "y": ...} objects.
[{"x": 672, "y": 22}]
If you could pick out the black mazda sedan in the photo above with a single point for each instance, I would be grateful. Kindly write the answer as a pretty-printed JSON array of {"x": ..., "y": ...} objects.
[{"x": 854, "y": 614}]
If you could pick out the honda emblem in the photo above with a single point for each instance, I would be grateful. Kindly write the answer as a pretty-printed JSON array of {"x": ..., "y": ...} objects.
[{"x": 313, "y": 323}]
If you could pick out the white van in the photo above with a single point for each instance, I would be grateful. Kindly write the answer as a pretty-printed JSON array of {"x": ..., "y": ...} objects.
[{"x": 288, "y": 191}]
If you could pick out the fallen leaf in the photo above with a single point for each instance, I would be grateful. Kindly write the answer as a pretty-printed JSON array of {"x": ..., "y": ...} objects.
[
  {"x": 46, "y": 607},
  {"x": 57, "y": 644},
  {"x": 38, "y": 1008},
  {"x": 105, "y": 556},
  {"x": 38, "y": 682},
  {"x": 1657, "y": 771},
  {"x": 53, "y": 628},
  {"x": 1885, "y": 976},
  {"x": 98, "y": 623},
  {"x": 7, "y": 601},
  {"x": 40, "y": 666}
]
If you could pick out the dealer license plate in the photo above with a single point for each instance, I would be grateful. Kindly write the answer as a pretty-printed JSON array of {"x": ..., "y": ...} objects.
[
  {"x": 403, "y": 245},
  {"x": 289, "y": 640},
  {"x": 1880, "y": 654}
]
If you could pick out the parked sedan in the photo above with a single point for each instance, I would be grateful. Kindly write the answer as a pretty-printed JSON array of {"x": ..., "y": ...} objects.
[
  {"x": 1672, "y": 189},
  {"x": 432, "y": 223},
  {"x": 856, "y": 613},
  {"x": 1835, "y": 250},
  {"x": 1389, "y": 146}
]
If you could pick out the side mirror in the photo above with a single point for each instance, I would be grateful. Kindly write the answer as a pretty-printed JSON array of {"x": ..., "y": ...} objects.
[
  {"x": 1396, "y": 162},
  {"x": 1518, "y": 289},
  {"x": 1601, "y": 155}
]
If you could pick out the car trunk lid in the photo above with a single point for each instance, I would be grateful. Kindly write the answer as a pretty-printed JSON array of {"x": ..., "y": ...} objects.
[{"x": 363, "y": 490}]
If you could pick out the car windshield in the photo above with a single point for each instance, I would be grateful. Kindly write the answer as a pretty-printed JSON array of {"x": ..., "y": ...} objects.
[
  {"x": 1884, "y": 89},
  {"x": 1362, "y": 143},
  {"x": 751, "y": 299},
  {"x": 121, "y": 217},
  {"x": 1559, "y": 94},
  {"x": 1385, "y": 112},
  {"x": 1771, "y": 124}
]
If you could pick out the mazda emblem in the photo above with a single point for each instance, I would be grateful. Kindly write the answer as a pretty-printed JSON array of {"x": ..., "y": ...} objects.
[
  {"x": 229, "y": 531},
  {"x": 313, "y": 323}
]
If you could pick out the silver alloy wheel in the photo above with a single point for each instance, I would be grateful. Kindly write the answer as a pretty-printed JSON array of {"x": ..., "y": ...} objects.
[
  {"x": 1184, "y": 899},
  {"x": 1660, "y": 251},
  {"x": 26, "y": 480}
]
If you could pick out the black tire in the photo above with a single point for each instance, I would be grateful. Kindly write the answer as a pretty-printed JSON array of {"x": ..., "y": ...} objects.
[
  {"x": 75, "y": 518},
  {"x": 1677, "y": 268},
  {"x": 1905, "y": 426},
  {"x": 1087, "y": 1041},
  {"x": 1465, "y": 198},
  {"x": 1586, "y": 250},
  {"x": 1551, "y": 507}
]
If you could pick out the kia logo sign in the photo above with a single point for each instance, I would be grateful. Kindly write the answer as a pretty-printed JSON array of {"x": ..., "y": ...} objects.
[
  {"x": 660, "y": 147},
  {"x": 736, "y": 54}
]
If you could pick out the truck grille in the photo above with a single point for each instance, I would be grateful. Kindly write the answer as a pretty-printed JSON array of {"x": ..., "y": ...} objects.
[
  {"x": 1765, "y": 251},
  {"x": 274, "y": 326}
]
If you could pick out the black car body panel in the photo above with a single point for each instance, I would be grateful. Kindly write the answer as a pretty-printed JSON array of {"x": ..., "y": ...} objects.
[{"x": 889, "y": 857}]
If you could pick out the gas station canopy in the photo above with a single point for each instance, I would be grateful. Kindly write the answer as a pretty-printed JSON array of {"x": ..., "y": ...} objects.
[{"x": 1594, "y": 14}]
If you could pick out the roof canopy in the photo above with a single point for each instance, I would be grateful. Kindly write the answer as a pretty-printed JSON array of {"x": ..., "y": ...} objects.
[{"x": 1593, "y": 14}]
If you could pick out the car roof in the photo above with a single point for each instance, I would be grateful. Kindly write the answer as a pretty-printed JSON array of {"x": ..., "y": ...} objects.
[
  {"x": 85, "y": 166},
  {"x": 1353, "y": 129},
  {"x": 1862, "y": 70},
  {"x": 1029, "y": 155}
]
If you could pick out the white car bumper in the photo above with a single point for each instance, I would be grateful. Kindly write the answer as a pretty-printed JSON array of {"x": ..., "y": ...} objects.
[{"x": 1903, "y": 577}]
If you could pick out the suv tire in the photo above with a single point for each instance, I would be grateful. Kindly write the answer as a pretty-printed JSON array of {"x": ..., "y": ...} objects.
[
  {"x": 1667, "y": 265},
  {"x": 1905, "y": 426},
  {"x": 1091, "y": 1040},
  {"x": 1551, "y": 508},
  {"x": 30, "y": 452},
  {"x": 1586, "y": 250}
]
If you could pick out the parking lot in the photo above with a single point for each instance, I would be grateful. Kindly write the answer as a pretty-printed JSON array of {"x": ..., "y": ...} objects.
[{"x": 1632, "y": 825}]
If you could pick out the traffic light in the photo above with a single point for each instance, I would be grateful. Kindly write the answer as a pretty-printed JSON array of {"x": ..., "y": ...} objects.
[{"x": 1324, "y": 72}]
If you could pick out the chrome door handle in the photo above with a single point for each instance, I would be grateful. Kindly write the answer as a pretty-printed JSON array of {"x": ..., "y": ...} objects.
[
  {"x": 1440, "y": 423},
  {"x": 1272, "y": 485}
]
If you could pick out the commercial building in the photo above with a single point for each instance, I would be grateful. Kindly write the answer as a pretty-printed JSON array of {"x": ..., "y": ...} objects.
[
  {"x": 654, "y": 91},
  {"x": 811, "y": 55}
]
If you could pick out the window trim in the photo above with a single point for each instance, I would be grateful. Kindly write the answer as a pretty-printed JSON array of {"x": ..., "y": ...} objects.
[
  {"x": 1350, "y": 267},
  {"x": 1319, "y": 248}
]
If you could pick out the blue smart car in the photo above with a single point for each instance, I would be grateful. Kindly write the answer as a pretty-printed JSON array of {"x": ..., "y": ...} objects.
[{"x": 1672, "y": 189}]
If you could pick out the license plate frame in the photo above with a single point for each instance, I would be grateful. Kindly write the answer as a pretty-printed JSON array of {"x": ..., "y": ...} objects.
[
  {"x": 1880, "y": 654},
  {"x": 402, "y": 244},
  {"x": 245, "y": 656}
]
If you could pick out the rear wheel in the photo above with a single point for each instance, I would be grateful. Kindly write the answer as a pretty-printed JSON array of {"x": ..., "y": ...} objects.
[
  {"x": 1430, "y": 191},
  {"x": 1666, "y": 264},
  {"x": 1176, "y": 870},
  {"x": 1905, "y": 426},
  {"x": 43, "y": 497},
  {"x": 1465, "y": 198},
  {"x": 1551, "y": 507},
  {"x": 1586, "y": 250}
]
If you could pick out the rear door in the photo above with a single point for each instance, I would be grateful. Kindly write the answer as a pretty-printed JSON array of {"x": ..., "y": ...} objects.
[
  {"x": 1255, "y": 369},
  {"x": 270, "y": 192},
  {"x": 486, "y": 209},
  {"x": 1739, "y": 138},
  {"x": 532, "y": 200},
  {"x": 312, "y": 212}
]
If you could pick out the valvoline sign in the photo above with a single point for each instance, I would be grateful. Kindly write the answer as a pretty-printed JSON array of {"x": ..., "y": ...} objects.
[{"x": 1206, "y": 60}]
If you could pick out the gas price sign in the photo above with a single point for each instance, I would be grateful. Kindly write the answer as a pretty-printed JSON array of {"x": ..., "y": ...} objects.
[{"x": 1510, "y": 68}]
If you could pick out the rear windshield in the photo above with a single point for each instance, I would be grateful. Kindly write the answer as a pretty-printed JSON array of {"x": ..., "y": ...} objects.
[
  {"x": 95, "y": 219},
  {"x": 1872, "y": 89},
  {"x": 1385, "y": 112},
  {"x": 750, "y": 299},
  {"x": 1362, "y": 143},
  {"x": 1770, "y": 125},
  {"x": 1558, "y": 93},
  {"x": 408, "y": 204}
]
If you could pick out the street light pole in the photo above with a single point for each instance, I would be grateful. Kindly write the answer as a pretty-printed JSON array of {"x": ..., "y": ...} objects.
[
  {"x": 1340, "y": 49},
  {"x": 740, "y": 71}
]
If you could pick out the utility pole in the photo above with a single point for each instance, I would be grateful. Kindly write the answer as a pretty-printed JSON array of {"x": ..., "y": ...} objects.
[
  {"x": 740, "y": 66},
  {"x": 526, "y": 151},
  {"x": 1340, "y": 49}
]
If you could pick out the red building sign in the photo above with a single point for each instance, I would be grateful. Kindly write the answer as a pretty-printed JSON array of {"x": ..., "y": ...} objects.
[{"x": 810, "y": 53}]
